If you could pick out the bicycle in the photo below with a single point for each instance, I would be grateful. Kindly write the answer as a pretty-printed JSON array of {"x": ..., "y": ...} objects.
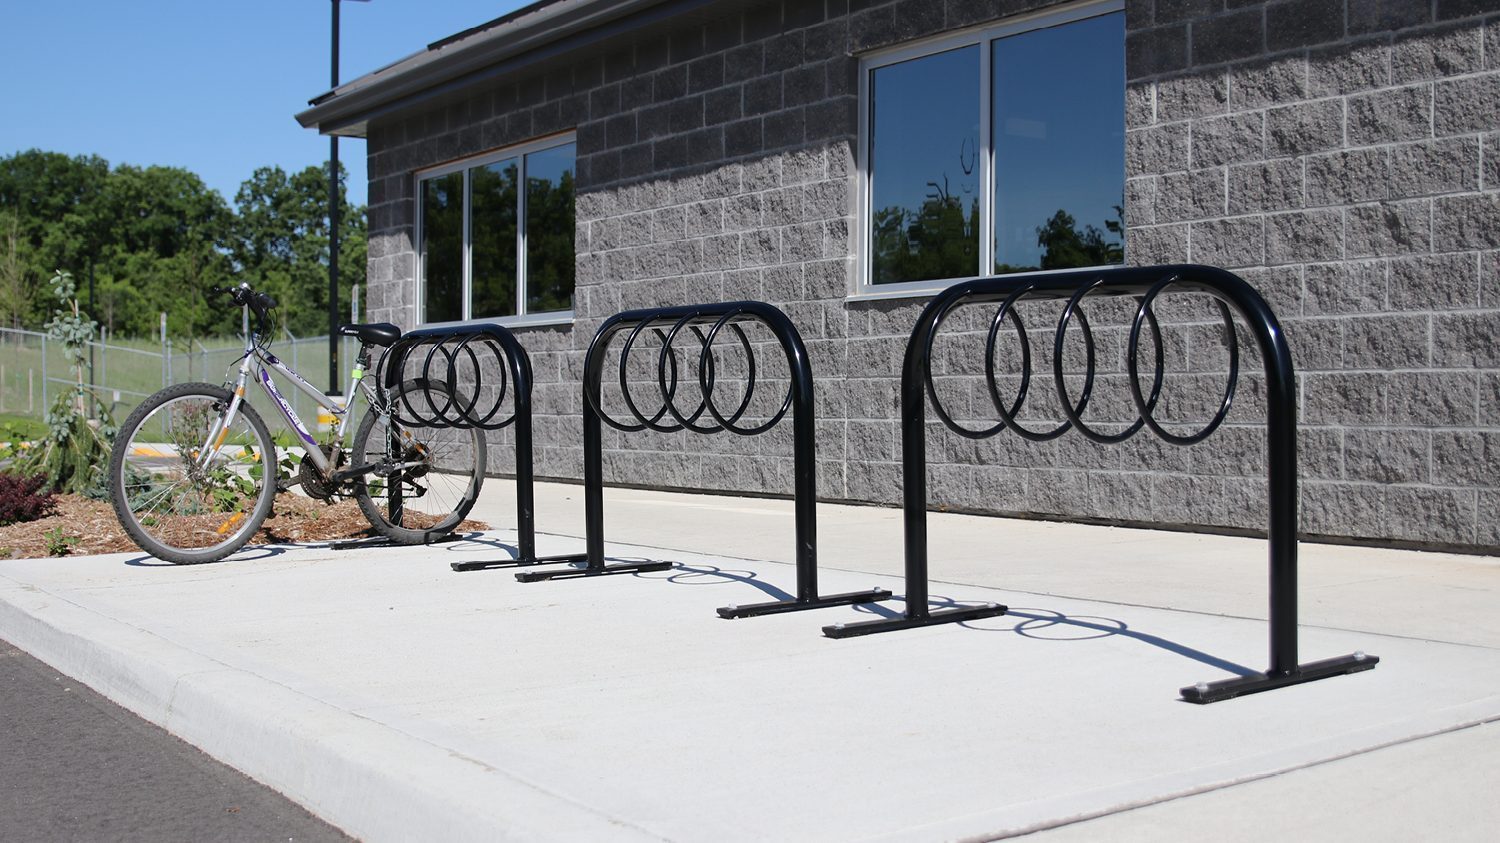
[{"x": 194, "y": 469}]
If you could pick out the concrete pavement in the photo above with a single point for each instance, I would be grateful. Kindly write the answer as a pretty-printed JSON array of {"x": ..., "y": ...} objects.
[{"x": 396, "y": 698}]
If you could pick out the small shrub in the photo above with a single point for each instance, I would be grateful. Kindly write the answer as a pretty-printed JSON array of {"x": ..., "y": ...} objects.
[
  {"x": 59, "y": 543},
  {"x": 25, "y": 499}
]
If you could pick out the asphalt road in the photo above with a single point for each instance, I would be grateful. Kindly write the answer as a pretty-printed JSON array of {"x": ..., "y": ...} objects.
[{"x": 75, "y": 766}]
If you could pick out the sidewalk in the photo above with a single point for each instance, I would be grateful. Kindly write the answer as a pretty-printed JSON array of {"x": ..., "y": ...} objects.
[{"x": 398, "y": 699}]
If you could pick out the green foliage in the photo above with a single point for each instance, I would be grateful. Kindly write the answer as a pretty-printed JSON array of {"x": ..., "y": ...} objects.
[
  {"x": 940, "y": 241},
  {"x": 73, "y": 454},
  {"x": 1065, "y": 246},
  {"x": 154, "y": 239},
  {"x": 279, "y": 242},
  {"x": 58, "y": 542}
]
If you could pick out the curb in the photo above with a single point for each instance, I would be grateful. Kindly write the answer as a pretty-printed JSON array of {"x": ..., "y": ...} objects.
[{"x": 371, "y": 781}]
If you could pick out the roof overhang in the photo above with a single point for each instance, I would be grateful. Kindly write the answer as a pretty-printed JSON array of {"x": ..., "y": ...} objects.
[{"x": 529, "y": 36}]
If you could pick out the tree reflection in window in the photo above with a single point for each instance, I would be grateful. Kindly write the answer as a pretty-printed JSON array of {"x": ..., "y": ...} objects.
[
  {"x": 924, "y": 175},
  {"x": 492, "y": 235},
  {"x": 549, "y": 229},
  {"x": 1055, "y": 162},
  {"x": 1058, "y": 127},
  {"x": 508, "y": 267},
  {"x": 443, "y": 246}
]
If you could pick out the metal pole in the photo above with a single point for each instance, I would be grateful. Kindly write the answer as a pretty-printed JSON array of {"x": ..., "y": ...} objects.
[
  {"x": 93, "y": 406},
  {"x": 333, "y": 225}
]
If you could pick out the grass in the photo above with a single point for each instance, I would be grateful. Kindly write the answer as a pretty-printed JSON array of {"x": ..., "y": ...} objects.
[
  {"x": 18, "y": 428},
  {"x": 127, "y": 371}
]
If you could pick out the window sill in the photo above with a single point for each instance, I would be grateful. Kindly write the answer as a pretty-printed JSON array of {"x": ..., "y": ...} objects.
[
  {"x": 539, "y": 320},
  {"x": 923, "y": 289}
]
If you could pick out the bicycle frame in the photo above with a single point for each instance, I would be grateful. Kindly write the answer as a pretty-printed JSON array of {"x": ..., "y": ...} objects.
[{"x": 259, "y": 363}]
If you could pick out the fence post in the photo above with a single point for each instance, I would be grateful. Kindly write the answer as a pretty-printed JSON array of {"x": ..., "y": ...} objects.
[{"x": 44, "y": 373}]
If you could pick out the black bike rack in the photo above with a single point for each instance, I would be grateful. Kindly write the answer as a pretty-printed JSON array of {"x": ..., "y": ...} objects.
[
  {"x": 667, "y": 323},
  {"x": 1146, "y": 284},
  {"x": 485, "y": 347}
]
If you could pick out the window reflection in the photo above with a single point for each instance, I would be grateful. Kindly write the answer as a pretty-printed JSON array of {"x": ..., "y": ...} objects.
[
  {"x": 924, "y": 168},
  {"x": 549, "y": 229},
  {"x": 443, "y": 247},
  {"x": 1058, "y": 123},
  {"x": 492, "y": 223}
]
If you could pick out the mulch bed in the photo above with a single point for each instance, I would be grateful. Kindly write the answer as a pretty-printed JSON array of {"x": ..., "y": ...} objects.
[{"x": 293, "y": 519}]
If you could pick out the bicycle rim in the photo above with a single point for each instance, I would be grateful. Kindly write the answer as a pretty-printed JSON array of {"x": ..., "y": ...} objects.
[
  {"x": 188, "y": 489},
  {"x": 435, "y": 494}
]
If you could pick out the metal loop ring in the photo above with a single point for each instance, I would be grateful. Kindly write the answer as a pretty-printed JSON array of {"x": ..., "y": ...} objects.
[
  {"x": 668, "y": 353},
  {"x": 937, "y": 405},
  {"x": 594, "y": 402},
  {"x": 1143, "y": 312},
  {"x": 1008, "y": 417},
  {"x": 706, "y": 384},
  {"x": 1075, "y": 414},
  {"x": 501, "y": 359},
  {"x": 654, "y": 422}
]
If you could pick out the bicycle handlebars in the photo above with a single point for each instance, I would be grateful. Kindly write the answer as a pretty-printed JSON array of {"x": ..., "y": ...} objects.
[{"x": 259, "y": 303}]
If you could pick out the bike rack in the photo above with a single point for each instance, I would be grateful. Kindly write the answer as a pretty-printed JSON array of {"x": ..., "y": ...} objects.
[
  {"x": 483, "y": 346},
  {"x": 668, "y": 323},
  {"x": 1146, "y": 284}
]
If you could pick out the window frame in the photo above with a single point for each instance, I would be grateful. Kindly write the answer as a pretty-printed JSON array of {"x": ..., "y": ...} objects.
[
  {"x": 464, "y": 165},
  {"x": 863, "y": 288}
]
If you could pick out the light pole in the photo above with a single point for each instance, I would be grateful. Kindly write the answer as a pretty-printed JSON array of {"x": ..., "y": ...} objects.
[{"x": 333, "y": 221}]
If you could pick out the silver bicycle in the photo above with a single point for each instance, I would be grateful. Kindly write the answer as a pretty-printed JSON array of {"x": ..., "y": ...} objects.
[{"x": 194, "y": 469}]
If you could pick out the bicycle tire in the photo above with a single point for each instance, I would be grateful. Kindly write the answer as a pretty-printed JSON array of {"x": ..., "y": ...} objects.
[
  {"x": 212, "y": 513},
  {"x": 442, "y": 448}
]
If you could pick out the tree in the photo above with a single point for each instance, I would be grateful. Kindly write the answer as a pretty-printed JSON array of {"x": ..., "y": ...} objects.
[
  {"x": 279, "y": 242},
  {"x": 15, "y": 295}
]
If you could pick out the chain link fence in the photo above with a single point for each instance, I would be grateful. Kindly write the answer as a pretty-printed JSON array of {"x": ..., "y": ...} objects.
[{"x": 123, "y": 373}]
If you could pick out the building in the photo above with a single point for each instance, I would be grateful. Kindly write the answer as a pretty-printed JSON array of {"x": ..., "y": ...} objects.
[{"x": 840, "y": 157}]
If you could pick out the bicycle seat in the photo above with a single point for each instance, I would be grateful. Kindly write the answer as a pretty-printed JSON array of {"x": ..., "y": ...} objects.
[{"x": 374, "y": 333}]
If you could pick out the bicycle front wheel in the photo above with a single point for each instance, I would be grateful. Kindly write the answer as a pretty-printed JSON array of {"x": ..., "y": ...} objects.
[
  {"x": 432, "y": 474},
  {"x": 187, "y": 487}
]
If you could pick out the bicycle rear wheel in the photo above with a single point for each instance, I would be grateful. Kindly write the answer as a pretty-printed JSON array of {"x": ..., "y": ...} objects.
[
  {"x": 186, "y": 488},
  {"x": 443, "y": 469}
]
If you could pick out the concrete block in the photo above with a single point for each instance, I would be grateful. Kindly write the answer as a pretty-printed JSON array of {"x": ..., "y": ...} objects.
[
  {"x": 1430, "y": 54},
  {"x": 1444, "y": 399},
  {"x": 1347, "y": 176},
  {"x": 1391, "y": 115},
  {"x": 1305, "y": 127},
  {"x": 1464, "y": 340},
  {"x": 1467, "y": 105},
  {"x": 1228, "y": 140},
  {"x": 1264, "y": 186},
  {"x": 1235, "y": 35},
  {"x": 1388, "y": 228},
  {"x": 1229, "y": 243},
  {"x": 1434, "y": 282},
  {"x": 1349, "y": 68},
  {"x": 1304, "y": 236},
  {"x": 1199, "y": 94},
  {"x": 1263, "y": 83}
]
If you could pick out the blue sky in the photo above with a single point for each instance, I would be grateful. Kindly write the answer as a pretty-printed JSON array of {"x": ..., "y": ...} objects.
[{"x": 209, "y": 85}]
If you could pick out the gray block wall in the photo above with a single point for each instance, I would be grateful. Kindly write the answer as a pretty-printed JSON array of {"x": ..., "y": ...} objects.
[{"x": 1341, "y": 156}]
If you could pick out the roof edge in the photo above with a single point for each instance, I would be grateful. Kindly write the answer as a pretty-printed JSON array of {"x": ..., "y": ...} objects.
[{"x": 342, "y": 110}]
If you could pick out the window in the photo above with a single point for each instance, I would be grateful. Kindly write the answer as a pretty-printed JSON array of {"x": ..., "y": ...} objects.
[
  {"x": 495, "y": 236},
  {"x": 995, "y": 152}
]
